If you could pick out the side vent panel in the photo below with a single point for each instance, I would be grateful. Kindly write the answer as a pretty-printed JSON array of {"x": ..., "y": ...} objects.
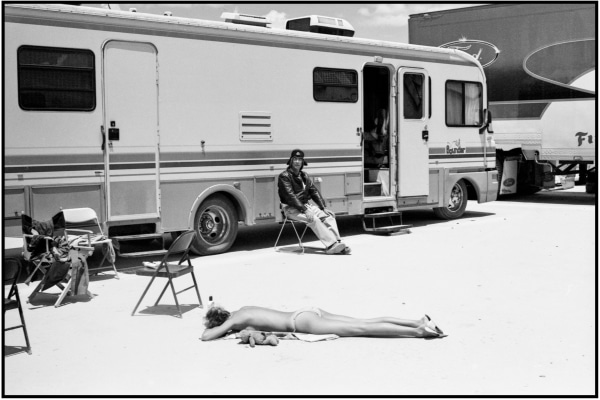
[{"x": 256, "y": 125}]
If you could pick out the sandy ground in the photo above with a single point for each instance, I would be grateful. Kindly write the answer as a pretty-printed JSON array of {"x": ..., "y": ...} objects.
[{"x": 512, "y": 283}]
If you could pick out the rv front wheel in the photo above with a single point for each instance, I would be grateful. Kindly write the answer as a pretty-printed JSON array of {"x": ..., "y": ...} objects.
[
  {"x": 457, "y": 203},
  {"x": 216, "y": 226}
]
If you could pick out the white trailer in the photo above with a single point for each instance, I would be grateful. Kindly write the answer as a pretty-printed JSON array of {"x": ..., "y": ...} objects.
[
  {"x": 540, "y": 64},
  {"x": 163, "y": 124}
]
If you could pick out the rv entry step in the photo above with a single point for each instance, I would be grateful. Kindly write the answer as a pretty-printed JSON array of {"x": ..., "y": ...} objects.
[
  {"x": 144, "y": 245},
  {"x": 387, "y": 223}
]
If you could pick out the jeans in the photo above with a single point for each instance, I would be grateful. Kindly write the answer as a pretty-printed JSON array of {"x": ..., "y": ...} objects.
[{"x": 323, "y": 225}]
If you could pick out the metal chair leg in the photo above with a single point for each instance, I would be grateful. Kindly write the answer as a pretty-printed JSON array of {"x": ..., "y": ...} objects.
[
  {"x": 143, "y": 295},
  {"x": 298, "y": 236}
]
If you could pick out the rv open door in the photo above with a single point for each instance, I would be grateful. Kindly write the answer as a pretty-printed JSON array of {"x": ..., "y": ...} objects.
[
  {"x": 413, "y": 134},
  {"x": 131, "y": 130}
]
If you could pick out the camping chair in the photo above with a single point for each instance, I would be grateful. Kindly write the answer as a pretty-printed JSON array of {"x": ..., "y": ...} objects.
[
  {"x": 38, "y": 240},
  {"x": 286, "y": 220},
  {"x": 83, "y": 222},
  {"x": 68, "y": 273},
  {"x": 61, "y": 262},
  {"x": 11, "y": 271},
  {"x": 171, "y": 270}
]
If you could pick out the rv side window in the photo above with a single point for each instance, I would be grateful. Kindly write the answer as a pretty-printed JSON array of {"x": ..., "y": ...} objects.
[
  {"x": 464, "y": 102},
  {"x": 336, "y": 85},
  {"x": 56, "y": 79},
  {"x": 413, "y": 96}
]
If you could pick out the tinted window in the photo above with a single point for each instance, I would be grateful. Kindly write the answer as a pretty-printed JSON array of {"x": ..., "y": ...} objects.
[
  {"x": 337, "y": 85},
  {"x": 56, "y": 79}
]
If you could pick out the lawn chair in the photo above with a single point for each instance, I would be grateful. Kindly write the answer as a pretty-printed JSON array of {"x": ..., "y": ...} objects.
[
  {"x": 61, "y": 262},
  {"x": 11, "y": 271},
  {"x": 37, "y": 242},
  {"x": 172, "y": 270},
  {"x": 286, "y": 220},
  {"x": 83, "y": 223}
]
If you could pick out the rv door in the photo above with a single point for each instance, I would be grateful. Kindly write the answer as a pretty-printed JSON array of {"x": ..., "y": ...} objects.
[
  {"x": 413, "y": 134},
  {"x": 131, "y": 130}
]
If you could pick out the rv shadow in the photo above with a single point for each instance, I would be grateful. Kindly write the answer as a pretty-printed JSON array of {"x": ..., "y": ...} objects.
[
  {"x": 553, "y": 197},
  {"x": 264, "y": 236}
]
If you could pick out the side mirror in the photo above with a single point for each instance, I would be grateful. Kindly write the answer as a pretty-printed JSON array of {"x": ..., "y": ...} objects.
[{"x": 487, "y": 122}]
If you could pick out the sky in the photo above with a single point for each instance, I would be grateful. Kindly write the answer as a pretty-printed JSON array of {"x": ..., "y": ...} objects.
[{"x": 370, "y": 20}]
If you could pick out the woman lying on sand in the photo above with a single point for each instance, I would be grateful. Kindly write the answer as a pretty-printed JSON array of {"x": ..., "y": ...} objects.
[{"x": 316, "y": 321}]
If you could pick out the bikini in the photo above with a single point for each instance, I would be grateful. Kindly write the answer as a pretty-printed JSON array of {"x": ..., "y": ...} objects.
[{"x": 300, "y": 311}]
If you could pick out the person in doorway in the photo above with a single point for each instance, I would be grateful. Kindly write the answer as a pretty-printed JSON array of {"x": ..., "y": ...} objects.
[
  {"x": 296, "y": 189},
  {"x": 376, "y": 140},
  {"x": 219, "y": 322}
]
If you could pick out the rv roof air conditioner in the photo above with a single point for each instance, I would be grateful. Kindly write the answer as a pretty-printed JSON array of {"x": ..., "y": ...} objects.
[
  {"x": 244, "y": 19},
  {"x": 320, "y": 24}
]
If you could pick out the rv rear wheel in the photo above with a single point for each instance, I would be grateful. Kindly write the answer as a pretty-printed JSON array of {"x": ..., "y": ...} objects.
[
  {"x": 216, "y": 224},
  {"x": 457, "y": 203}
]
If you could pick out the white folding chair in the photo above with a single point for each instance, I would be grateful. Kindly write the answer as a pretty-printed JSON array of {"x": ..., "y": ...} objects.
[{"x": 83, "y": 222}]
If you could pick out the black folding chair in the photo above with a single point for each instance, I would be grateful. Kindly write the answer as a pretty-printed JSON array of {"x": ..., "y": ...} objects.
[
  {"x": 38, "y": 240},
  {"x": 47, "y": 248},
  {"x": 172, "y": 270},
  {"x": 11, "y": 271}
]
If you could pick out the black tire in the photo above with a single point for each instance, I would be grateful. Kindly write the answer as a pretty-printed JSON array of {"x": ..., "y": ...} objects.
[
  {"x": 457, "y": 202},
  {"x": 591, "y": 185},
  {"x": 216, "y": 226}
]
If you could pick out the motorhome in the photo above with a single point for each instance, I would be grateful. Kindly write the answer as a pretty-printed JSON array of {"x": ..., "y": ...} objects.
[
  {"x": 163, "y": 124},
  {"x": 540, "y": 65}
]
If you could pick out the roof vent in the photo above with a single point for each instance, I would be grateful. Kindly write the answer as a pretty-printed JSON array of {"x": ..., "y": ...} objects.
[
  {"x": 244, "y": 19},
  {"x": 320, "y": 24}
]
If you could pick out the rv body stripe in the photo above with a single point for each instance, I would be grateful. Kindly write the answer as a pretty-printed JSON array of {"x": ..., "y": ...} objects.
[
  {"x": 455, "y": 156},
  {"x": 18, "y": 169},
  {"x": 468, "y": 150},
  {"x": 220, "y": 34}
]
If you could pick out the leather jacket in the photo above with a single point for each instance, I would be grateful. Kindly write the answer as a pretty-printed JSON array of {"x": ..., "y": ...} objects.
[{"x": 292, "y": 193}]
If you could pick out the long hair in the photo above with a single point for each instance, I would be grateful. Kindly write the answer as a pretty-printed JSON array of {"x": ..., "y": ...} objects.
[{"x": 215, "y": 316}]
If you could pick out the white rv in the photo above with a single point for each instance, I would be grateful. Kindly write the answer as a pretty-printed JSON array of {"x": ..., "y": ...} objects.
[{"x": 163, "y": 124}]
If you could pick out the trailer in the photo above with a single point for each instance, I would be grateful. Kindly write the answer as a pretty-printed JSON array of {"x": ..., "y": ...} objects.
[
  {"x": 163, "y": 124},
  {"x": 540, "y": 65}
]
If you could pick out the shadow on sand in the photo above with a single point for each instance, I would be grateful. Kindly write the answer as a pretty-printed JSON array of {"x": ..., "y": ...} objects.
[
  {"x": 553, "y": 197},
  {"x": 166, "y": 309}
]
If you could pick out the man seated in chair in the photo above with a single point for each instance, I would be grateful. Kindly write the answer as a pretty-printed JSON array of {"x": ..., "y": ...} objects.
[{"x": 295, "y": 190}]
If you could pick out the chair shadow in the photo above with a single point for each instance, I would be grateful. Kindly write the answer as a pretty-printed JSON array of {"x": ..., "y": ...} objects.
[
  {"x": 297, "y": 250},
  {"x": 101, "y": 276},
  {"x": 43, "y": 299},
  {"x": 168, "y": 309},
  {"x": 14, "y": 350}
]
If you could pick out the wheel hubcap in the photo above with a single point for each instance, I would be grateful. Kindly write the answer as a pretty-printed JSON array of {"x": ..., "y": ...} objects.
[
  {"x": 456, "y": 198},
  {"x": 213, "y": 225}
]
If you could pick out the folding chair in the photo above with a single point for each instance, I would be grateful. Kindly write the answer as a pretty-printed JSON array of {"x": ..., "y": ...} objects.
[
  {"x": 172, "y": 270},
  {"x": 46, "y": 246},
  {"x": 37, "y": 252},
  {"x": 11, "y": 271},
  {"x": 83, "y": 222},
  {"x": 286, "y": 220}
]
